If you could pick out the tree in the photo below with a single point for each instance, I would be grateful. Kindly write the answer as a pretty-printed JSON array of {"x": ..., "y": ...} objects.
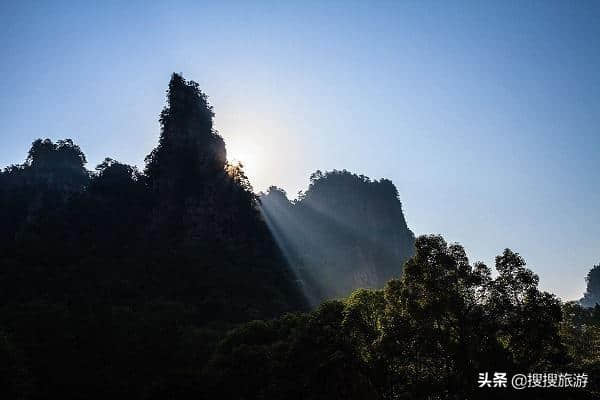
[
  {"x": 434, "y": 332},
  {"x": 298, "y": 356},
  {"x": 528, "y": 319},
  {"x": 580, "y": 334}
]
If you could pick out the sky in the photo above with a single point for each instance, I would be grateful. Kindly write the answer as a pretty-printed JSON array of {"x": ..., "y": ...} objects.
[{"x": 485, "y": 115}]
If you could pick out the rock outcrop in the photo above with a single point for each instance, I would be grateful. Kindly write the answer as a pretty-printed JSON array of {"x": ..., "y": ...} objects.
[{"x": 346, "y": 231}]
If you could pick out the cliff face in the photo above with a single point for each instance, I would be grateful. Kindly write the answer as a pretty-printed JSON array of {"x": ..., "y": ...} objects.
[
  {"x": 187, "y": 169},
  {"x": 591, "y": 297},
  {"x": 199, "y": 198},
  {"x": 345, "y": 232},
  {"x": 204, "y": 204}
]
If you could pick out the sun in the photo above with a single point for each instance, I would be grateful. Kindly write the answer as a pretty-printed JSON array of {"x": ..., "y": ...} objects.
[{"x": 249, "y": 156}]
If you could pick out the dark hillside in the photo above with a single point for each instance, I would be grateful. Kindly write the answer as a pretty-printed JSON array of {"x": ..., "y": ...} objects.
[{"x": 105, "y": 275}]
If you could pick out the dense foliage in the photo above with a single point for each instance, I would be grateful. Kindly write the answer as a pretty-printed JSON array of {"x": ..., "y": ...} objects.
[{"x": 426, "y": 335}]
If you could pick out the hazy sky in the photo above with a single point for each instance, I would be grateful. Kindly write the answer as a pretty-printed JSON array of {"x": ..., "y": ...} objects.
[{"x": 486, "y": 116}]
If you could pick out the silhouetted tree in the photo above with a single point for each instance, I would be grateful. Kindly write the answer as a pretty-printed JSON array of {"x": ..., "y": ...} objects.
[
  {"x": 427, "y": 335},
  {"x": 528, "y": 320},
  {"x": 435, "y": 331}
]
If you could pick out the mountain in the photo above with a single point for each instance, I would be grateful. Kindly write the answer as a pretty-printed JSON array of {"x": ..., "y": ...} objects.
[
  {"x": 119, "y": 283},
  {"x": 345, "y": 232},
  {"x": 116, "y": 283},
  {"x": 187, "y": 229},
  {"x": 591, "y": 297}
]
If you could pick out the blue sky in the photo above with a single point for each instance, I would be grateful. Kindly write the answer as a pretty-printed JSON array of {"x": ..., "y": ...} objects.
[{"x": 486, "y": 115}]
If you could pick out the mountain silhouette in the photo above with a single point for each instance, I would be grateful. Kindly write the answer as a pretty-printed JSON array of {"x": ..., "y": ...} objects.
[{"x": 345, "y": 232}]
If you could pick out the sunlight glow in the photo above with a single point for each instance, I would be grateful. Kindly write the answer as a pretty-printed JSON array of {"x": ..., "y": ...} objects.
[{"x": 249, "y": 156}]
